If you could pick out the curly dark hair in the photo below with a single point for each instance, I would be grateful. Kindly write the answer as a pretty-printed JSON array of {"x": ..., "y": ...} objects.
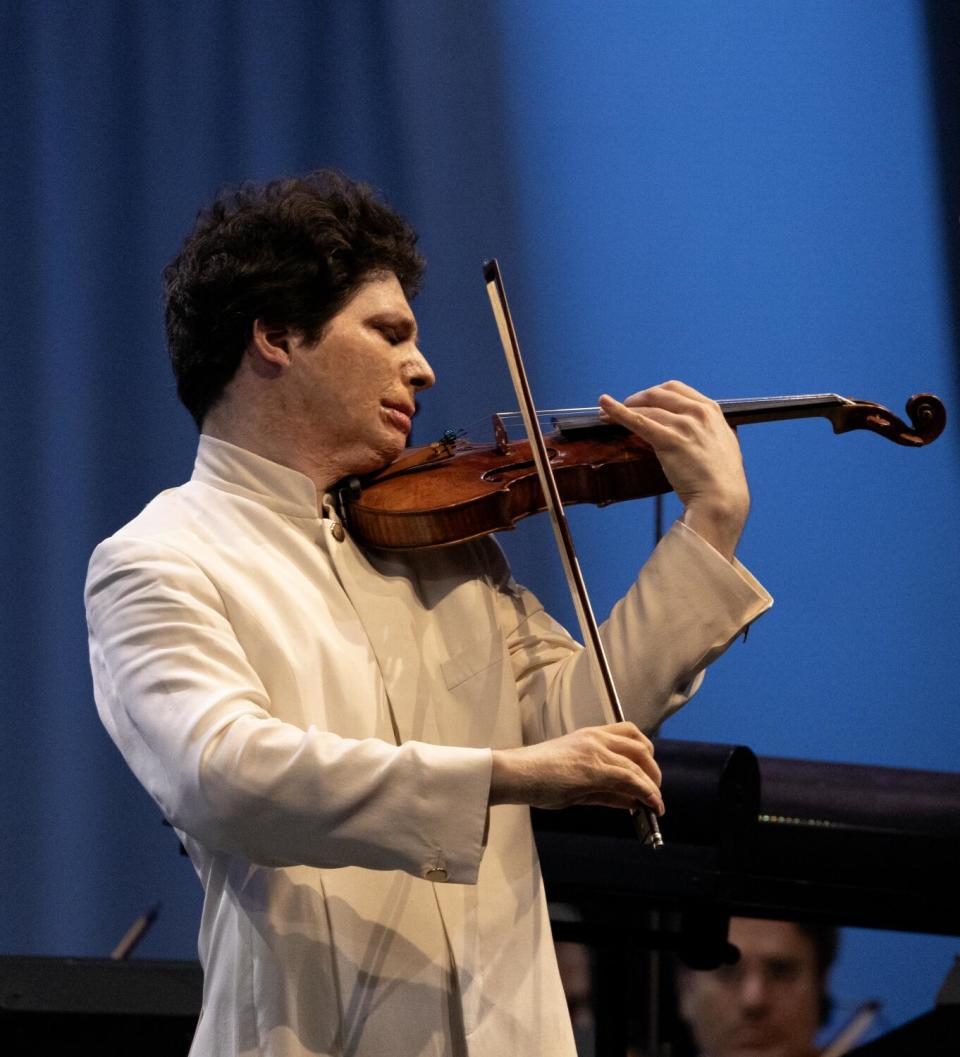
[
  {"x": 825, "y": 940},
  {"x": 290, "y": 253}
]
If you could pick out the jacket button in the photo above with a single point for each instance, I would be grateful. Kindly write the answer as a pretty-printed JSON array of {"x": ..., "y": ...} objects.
[
  {"x": 338, "y": 532},
  {"x": 435, "y": 873}
]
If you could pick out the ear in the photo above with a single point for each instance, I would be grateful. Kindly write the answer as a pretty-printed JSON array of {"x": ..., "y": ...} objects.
[{"x": 270, "y": 345}]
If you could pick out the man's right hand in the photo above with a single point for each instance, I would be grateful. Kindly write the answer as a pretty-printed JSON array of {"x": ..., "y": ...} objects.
[{"x": 611, "y": 766}]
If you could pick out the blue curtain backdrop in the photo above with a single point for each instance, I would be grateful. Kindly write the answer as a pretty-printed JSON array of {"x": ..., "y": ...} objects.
[{"x": 745, "y": 196}]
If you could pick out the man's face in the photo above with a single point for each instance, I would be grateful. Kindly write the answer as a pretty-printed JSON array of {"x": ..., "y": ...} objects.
[
  {"x": 352, "y": 392},
  {"x": 767, "y": 1005}
]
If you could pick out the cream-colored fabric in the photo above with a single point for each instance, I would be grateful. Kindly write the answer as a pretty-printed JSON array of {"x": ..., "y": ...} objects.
[{"x": 317, "y": 721}]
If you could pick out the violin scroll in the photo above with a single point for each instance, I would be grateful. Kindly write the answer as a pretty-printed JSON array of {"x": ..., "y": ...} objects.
[{"x": 925, "y": 411}]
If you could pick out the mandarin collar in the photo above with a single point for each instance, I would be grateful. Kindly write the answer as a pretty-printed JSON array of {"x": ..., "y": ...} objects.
[{"x": 233, "y": 469}]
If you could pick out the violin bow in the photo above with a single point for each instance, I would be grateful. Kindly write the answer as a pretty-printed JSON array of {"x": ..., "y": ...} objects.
[{"x": 644, "y": 818}]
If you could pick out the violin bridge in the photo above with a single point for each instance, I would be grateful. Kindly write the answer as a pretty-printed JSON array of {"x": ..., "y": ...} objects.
[{"x": 500, "y": 439}]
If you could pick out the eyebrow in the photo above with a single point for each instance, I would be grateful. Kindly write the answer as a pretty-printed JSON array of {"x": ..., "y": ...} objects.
[{"x": 397, "y": 320}]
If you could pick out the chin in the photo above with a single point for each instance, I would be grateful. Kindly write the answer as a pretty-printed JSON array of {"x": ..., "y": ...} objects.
[
  {"x": 378, "y": 458},
  {"x": 392, "y": 450}
]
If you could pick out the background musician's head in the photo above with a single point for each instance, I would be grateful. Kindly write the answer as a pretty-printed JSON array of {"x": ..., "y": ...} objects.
[{"x": 772, "y": 1002}]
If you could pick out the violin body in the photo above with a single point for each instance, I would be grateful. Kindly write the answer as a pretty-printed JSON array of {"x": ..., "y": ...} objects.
[
  {"x": 480, "y": 490},
  {"x": 454, "y": 490}
]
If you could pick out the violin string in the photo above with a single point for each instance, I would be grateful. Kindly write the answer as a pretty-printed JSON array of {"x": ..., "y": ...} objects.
[
  {"x": 547, "y": 413},
  {"x": 481, "y": 428},
  {"x": 512, "y": 419},
  {"x": 548, "y": 416}
]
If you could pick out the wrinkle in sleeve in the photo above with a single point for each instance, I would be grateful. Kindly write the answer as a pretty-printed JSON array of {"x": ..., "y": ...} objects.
[
  {"x": 192, "y": 719},
  {"x": 686, "y": 607}
]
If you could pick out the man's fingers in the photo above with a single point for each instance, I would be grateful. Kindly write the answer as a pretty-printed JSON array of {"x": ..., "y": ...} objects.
[
  {"x": 629, "y": 787},
  {"x": 637, "y": 754},
  {"x": 659, "y": 426},
  {"x": 659, "y": 404},
  {"x": 625, "y": 744},
  {"x": 627, "y": 803},
  {"x": 635, "y": 747},
  {"x": 627, "y": 729},
  {"x": 628, "y": 764},
  {"x": 675, "y": 395},
  {"x": 642, "y": 789}
]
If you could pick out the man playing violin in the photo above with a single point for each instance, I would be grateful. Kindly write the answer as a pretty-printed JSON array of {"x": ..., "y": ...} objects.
[{"x": 347, "y": 741}]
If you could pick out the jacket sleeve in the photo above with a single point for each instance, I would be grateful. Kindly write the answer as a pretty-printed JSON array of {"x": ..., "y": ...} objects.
[
  {"x": 685, "y": 608},
  {"x": 193, "y": 720}
]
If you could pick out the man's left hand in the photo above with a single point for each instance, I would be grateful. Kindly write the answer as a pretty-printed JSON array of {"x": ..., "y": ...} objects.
[{"x": 699, "y": 454}]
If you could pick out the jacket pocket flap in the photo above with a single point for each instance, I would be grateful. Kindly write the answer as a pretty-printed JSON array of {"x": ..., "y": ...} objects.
[{"x": 476, "y": 658}]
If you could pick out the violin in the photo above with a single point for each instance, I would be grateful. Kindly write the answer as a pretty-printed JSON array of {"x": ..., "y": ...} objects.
[{"x": 455, "y": 490}]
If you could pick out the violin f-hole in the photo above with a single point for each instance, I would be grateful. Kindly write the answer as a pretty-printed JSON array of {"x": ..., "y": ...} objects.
[{"x": 502, "y": 472}]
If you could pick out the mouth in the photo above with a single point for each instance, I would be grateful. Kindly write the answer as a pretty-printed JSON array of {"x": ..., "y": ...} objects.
[
  {"x": 755, "y": 1039},
  {"x": 399, "y": 415}
]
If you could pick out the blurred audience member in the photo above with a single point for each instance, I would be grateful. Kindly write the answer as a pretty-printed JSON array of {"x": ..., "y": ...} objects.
[
  {"x": 577, "y": 976},
  {"x": 772, "y": 1002}
]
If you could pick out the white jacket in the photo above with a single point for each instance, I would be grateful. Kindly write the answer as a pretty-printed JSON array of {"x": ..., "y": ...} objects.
[{"x": 316, "y": 722}]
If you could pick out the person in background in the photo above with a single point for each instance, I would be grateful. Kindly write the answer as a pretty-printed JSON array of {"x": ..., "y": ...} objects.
[
  {"x": 772, "y": 1002},
  {"x": 576, "y": 974}
]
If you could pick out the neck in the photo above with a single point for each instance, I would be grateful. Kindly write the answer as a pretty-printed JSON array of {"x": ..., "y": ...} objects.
[{"x": 272, "y": 438}]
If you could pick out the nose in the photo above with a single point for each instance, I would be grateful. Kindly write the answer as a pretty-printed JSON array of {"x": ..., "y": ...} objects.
[
  {"x": 418, "y": 372},
  {"x": 754, "y": 992}
]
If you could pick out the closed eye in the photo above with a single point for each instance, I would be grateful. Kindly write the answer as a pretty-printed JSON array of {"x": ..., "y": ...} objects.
[
  {"x": 395, "y": 328},
  {"x": 390, "y": 334}
]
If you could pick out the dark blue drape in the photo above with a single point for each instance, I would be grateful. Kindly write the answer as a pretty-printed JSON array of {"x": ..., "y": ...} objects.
[
  {"x": 742, "y": 195},
  {"x": 119, "y": 121}
]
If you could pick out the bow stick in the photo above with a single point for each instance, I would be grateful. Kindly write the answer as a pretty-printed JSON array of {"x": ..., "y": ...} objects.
[{"x": 645, "y": 819}]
